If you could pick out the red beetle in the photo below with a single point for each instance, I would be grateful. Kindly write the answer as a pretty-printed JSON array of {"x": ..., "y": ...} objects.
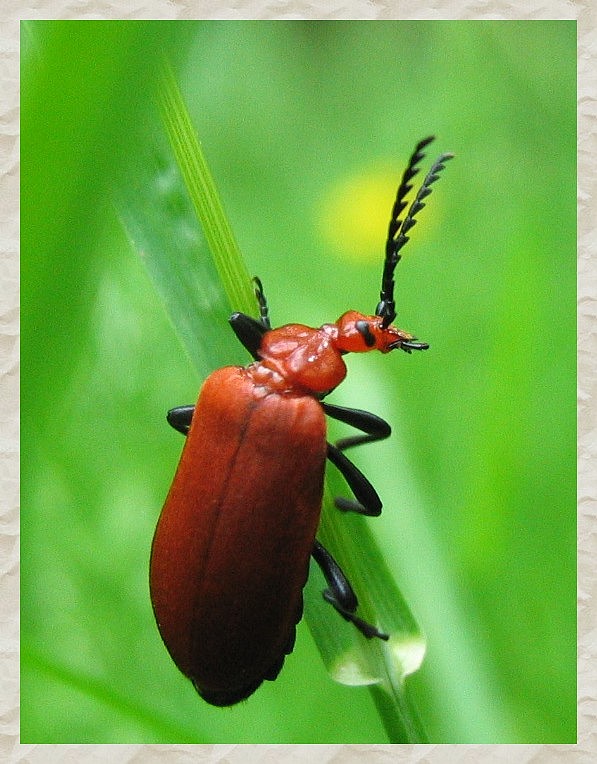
[{"x": 231, "y": 549}]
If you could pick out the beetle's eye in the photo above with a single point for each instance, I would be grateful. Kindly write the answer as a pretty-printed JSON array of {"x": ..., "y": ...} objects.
[{"x": 364, "y": 330}]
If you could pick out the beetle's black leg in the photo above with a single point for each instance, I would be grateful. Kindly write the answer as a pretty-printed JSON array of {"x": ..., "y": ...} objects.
[
  {"x": 367, "y": 500},
  {"x": 180, "y": 418},
  {"x": 374, "y": 427},
  {"x": 261, "y": 300},
  {"x": 340, "y": 593},
  {"x": 249, "y": 331}
]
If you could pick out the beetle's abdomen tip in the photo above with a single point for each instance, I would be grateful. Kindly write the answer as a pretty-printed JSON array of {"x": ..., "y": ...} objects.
[{"x": 221, "y": 699}]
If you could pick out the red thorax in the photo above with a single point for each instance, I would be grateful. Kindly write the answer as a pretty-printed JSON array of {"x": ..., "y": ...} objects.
[{"x": 297, "y": 358}]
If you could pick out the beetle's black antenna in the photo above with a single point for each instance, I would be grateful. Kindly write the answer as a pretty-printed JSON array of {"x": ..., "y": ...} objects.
[{"x": 397, "y": 230}]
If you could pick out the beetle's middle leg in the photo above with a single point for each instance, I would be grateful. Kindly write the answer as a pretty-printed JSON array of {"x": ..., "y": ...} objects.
[
  {"x": 373, "y": 426},
  {"x": 367, "y": 501}
]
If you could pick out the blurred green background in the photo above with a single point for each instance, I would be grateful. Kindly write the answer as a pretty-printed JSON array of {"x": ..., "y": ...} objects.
[{"x": 306, "y": 126}]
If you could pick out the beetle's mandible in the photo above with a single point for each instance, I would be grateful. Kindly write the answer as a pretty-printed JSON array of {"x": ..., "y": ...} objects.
[{"x": 231, "y": 550}]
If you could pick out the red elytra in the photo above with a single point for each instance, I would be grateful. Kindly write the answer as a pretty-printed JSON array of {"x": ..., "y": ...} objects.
[{"x": 231, "y": 550}]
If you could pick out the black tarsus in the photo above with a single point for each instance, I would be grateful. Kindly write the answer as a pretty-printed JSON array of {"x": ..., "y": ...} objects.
[
  {"x": 410, "y": 345},
  {"x": 340, "y": 593},
  {"x": 262, "y": 302},
  {"x": 397, "y": 230},
  {"x": 249, "y": 330}
]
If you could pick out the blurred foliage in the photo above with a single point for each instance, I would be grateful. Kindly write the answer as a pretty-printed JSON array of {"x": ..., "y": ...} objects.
[{"x": 306, "y": 127}]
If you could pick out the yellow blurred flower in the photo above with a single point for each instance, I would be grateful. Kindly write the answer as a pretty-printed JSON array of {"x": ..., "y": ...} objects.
[{"x": 354, "y": 214}]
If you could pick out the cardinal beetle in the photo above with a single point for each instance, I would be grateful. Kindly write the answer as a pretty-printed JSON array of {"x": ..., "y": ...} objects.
[{"x": 231, "y": 550}]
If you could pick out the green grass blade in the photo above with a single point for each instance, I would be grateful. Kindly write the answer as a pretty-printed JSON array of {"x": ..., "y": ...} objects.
[{"x": 202, "y": 191}]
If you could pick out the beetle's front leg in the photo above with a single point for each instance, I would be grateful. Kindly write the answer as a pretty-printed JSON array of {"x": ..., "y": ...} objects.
[
  {"x": 249, "y": 331},
  {"x": 180, "y": 418},
  {"x": 340, "y": 593}
]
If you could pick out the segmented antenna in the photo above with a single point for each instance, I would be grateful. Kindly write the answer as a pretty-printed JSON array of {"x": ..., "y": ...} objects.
[{"x": 397, "y": 230}]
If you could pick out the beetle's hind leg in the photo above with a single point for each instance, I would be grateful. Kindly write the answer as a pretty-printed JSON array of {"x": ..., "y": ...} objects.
[{"x": 340, "y": 593}]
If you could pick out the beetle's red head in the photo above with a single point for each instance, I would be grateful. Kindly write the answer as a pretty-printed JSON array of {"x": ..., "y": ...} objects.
[{"x": 358, "y": 333}]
